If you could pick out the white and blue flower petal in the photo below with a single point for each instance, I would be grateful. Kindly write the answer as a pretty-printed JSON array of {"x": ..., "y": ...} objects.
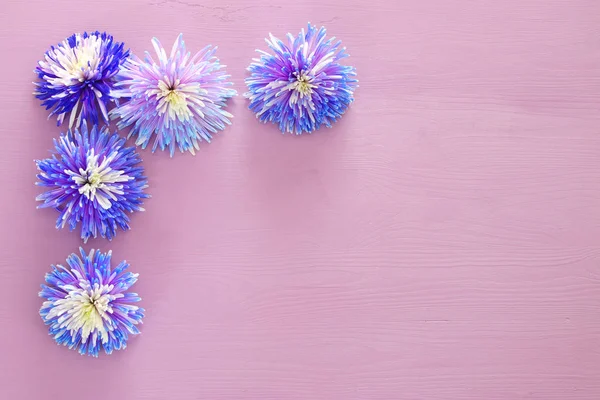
[
  {"x": 88, "y": 307},
  {"x": 302, "y": 85}
]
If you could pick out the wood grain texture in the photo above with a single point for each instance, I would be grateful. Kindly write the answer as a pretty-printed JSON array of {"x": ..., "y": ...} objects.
[{"x": 441, "y": 242}]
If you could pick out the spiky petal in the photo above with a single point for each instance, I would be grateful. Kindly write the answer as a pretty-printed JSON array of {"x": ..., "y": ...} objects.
[
  {"x": 178, "y": 99},
  {"x": 92, "y": 179},
  {"x": 77, "y": 76},
  {"x": 88, "y": 306},
  {"x": 301, "y": 85}
]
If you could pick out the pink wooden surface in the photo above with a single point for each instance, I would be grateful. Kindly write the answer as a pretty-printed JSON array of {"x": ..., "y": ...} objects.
[{"x": 441, "y": 242}]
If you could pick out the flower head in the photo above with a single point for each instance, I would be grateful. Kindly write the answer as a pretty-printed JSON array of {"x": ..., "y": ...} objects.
[
  {"x": 178, "y": 99},
  {"x": 77, "y": 76},
  {"x": 88, "y": 305},
  {"x": 302, "y": 85},
  {"x": 94, "y": 179}
]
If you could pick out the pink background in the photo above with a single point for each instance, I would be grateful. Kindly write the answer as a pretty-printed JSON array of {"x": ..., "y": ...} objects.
[{"x": 441, "y": 242}]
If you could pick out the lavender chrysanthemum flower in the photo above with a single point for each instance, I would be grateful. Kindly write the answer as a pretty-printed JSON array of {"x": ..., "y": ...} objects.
[
  {"x": 88, "y": 305},
  {"x": 302, "y": 85},
  {"x": 94, "y": 179},
  {"x": 77, "y": 76},
  {"x": 178, "y": 99}
]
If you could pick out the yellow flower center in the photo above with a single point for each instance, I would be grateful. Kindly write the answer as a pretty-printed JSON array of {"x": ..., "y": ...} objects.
[
  {"x": 303, "y": 84},
  {"x": 173, "y": 100}
]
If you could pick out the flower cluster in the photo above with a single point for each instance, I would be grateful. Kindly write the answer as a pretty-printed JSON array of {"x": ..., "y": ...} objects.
[
  {"x": 92, "y": 179},
  {"x": 78, "y": 75},
  {"x": 301, "y": 85},
  {"x": 88, "y": 306},
  {"x": 178, "y": 100}
]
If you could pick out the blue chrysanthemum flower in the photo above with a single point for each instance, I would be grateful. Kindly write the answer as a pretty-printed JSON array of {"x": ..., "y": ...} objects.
[
  {"x": 94, "y": 179},
  {"x": 179, "y": 99},
  {"x": 77, "y": 76},
  {"x": 88, "y": 305},
  {"x": 302, "y": 85}
]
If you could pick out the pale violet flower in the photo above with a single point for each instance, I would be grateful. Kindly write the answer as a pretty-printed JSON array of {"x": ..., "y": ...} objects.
[{"x": 176, "y": 100}]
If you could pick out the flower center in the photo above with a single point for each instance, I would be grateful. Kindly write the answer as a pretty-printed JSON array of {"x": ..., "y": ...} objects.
[
  {"x": 99, "y": 181},
  {"x": 85, "y": 308},
  {"x": 175, "y": 99},
  {"x": 93, "y": 179},
  {"x": 303, "y": 84},
  {"x": 80, "y": 69},
  {"x": 172, "y": 100}
]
